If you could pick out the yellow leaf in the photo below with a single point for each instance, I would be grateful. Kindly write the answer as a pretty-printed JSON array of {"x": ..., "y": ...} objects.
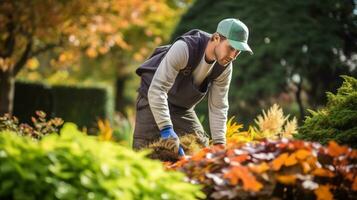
[
  {"x": 105, "y": 131},
  {"x": 32, "y": 64},
  {"x": 91, "y": 52},
  {"x": 232, "y": 128}
]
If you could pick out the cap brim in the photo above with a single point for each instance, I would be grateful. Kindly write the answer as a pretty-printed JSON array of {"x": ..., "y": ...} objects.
[{"x": 240, "y": 46}]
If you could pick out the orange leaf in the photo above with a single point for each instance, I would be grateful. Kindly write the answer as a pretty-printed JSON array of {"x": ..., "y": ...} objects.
[
  {"x": 291, "y": 160},
  {"x": 323, "y": 172},
  {"x": 242, "y": 173},
  {"x": 302, "y": 154},
  {"x": 200, "y": 155},
  {"x": 262, "y": 167},
  {"x": 305, "y": 167},
  {"x": 312, "y": 161},
  {"x": 287, "y": 179},
  {"x": 354, "y": 185},
  {"x": 323, "y": 193},
  {"x": 353, "y": 153},
  {"x": 349, "y": 176},
  {"x": 279, "y": 161},
  {"x": 335, "y": 150},
  {"x": 240, "y": 158}
]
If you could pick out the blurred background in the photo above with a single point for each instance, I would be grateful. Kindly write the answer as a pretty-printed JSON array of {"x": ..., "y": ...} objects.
[{"x": 76, "y": 59}]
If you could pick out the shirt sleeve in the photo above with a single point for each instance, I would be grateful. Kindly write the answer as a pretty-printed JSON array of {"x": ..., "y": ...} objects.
[
  {"x": 164, "y": 77},
  {"x": 218, "y": 105}
]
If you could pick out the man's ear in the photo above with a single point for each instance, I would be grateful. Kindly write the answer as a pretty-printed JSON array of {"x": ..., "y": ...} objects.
[{"x": 215, "y": 37}]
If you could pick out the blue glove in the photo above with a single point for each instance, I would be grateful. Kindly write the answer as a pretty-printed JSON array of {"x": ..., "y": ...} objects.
[
  {"x": 167, "y": 133},
  {"x": 181, "y": 152}
]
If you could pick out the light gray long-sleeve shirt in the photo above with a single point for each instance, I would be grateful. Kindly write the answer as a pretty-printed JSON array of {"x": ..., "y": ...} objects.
[{"x": 175, "y": 60}]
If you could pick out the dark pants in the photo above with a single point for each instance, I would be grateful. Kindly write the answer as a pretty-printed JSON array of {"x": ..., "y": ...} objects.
[{"x": 146, "y": 130}]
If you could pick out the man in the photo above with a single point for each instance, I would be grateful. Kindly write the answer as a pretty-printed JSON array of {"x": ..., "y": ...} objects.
[{"x": 177, "y": 77}]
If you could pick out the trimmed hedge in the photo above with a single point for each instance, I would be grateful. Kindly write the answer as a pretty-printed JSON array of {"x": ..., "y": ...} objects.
[
  {"x": 78, "y": 104},
  {"x": 76, "y": 166}
]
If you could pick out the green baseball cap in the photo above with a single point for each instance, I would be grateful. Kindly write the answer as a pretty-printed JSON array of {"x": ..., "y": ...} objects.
[{"x": 236, "y": 33}]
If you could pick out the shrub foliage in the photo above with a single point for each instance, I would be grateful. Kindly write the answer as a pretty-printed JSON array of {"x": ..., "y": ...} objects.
[
  {"x": 284, "y": 169},
  {"x": 76, "y": 166},
  {"x": 338, "y": 120}
]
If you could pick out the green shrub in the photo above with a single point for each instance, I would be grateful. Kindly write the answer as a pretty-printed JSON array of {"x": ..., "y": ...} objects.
[
  {"x": 338, "y": 120},
  {"x": 76, "y": 166}
]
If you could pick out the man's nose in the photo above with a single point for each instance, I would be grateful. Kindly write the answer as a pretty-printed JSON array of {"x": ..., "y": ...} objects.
[{"x": 234, "y": 54}]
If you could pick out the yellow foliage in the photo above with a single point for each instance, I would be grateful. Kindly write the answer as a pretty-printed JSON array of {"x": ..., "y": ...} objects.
[
  {"x": 105, "y": 130},
  {"x": 232, "y": 127},
  {"x": 290, "y": 128},
  {"x": 32, "y": 64},
  {"x": 270, "y": 125},
  {"x": 272, "y": 121}
]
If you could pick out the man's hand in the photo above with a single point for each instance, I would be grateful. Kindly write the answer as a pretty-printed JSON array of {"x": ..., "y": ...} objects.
[{"x": 169, "y": 133}]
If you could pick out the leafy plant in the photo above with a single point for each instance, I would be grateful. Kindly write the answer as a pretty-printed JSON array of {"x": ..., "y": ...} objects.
[
  {"x": 40, "y": 128},
  {"x": 105, "y": 130},
  {"x": 120, "y": 131},
  {"x": 338, "y": 120},
  {"x": 166, "y": 150},
  {"x": 271, "y": 125},
  {"x": 73, "y": 165},
  {"x": 284, "y": 169}
]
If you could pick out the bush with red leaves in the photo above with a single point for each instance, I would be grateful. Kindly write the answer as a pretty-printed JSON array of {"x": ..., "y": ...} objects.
[{"x": 286, "y": 169}]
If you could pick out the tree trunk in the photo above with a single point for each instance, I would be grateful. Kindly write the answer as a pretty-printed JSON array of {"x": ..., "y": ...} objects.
[
  {"x": 7, "y": 90},
  {"x": 119, "y": 94},
  {"x": 299, "y": 101}
]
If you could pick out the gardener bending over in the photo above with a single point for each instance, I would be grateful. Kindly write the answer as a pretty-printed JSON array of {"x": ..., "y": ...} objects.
[{"x": 176, "y": 78}]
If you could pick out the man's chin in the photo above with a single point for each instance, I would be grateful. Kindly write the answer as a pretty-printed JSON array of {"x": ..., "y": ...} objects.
[{"x": 223, "y": 63}]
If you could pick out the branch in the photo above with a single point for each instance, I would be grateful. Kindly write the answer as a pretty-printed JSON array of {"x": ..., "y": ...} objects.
[
  {"x": 10, "y": 41},
  {"x": 23, "y": 59},
  {"x": 45, "y": 48}
]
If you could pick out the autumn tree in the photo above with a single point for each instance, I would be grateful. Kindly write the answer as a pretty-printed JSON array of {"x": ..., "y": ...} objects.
[{"x": 73, "y": 28}]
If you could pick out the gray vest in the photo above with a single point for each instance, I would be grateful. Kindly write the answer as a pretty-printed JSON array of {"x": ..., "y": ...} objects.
[{"x": 183, "y": 92}]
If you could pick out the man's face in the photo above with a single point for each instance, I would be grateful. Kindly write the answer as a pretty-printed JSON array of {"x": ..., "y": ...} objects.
[{"x": 225, "y": 53}]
